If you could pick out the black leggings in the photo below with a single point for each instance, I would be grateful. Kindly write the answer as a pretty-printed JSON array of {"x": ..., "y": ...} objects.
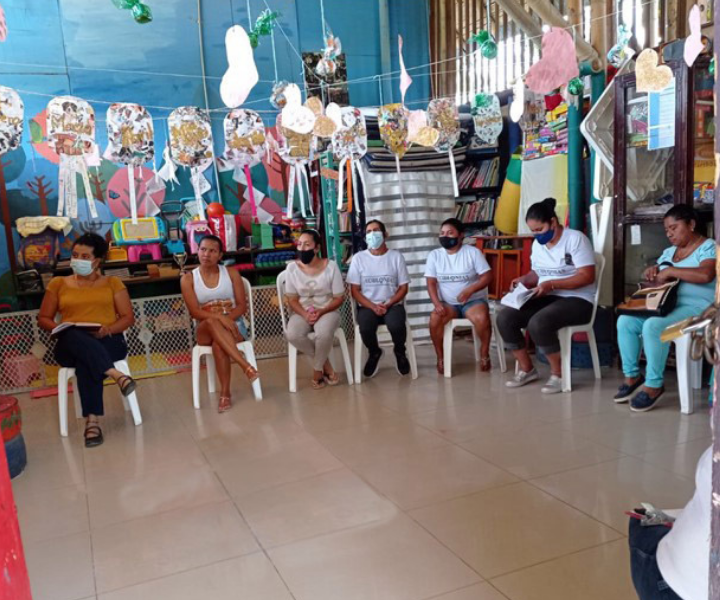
[
  {"x": 91, "y": 358},
  {"x": 542, "y": 317},
  {"x": 394, "y": 319}
]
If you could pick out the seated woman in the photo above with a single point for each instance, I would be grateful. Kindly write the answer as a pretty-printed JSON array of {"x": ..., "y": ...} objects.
[
  {"x": 691, "y": 259},
  {"x": 379, "y": 282},
  {"x": 457, "y": 279},
  {"x": 87, "y": 296},
  {"x": 215, "y": 297},
  {"x": 314, "y": 290},
  {"x": 563, "y": 279}
]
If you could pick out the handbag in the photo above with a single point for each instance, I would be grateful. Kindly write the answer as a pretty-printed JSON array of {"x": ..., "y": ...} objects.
[{"x": 651, "y": 300}]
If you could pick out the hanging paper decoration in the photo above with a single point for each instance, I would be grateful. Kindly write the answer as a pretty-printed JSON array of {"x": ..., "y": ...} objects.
[
  {"x": 487, "y": 118},
  {"x": 443, "y": 116},
  {"x": 694, "y": 43},
  {"x": 576, "y": 86},
  {"x": 327, "y": 65},
  {"x": 12, "y": 111},
  {"x": 277, "y": 97},
  {"x": 517, "y": 108},
  {"x": 242, "y": 74},
  {"x": 558, "y": 64},
  {"x": 487, "y": 44},
  {"x": 140, "y": 12},
  {"x": 245, "y": 146},
  {"x": 71, "y": 129},
  {"x": 131, "y": 142},
  {"x": 650, "y": 77},
  {"x": 419, "y": 132},
  {"x": 620, "y": 52},
  {"x": 3, "y": 25},
  {"x": 349, "y": 145},
  {"x": 191, "y": 146},
  {"x": 263, "y": 26},
  {"x": 393, "y": 123},
  {"x": 405, "y": 79}
]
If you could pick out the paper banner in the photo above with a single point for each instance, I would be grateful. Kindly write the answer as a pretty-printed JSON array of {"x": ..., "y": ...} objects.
[
  {"x": 242, "y": 74},
  {"x": 130, "y": 134},
  {"x": 649, "y": 76},
  {"x": 693, "y": 44},
  {"x": 405, "y": 79},
  {"x": 558, "y": 64}
]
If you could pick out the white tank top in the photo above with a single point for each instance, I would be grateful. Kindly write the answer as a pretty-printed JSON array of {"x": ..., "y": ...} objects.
[{"x": 223, "y": 291}]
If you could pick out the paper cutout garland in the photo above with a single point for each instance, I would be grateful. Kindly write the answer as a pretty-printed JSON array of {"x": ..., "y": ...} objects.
[
  {"x": 444, "y": 117},
  {"x": 71, "y": 130},
  {"x": 245, "y": 146},
  {"x": 191, "y": 146},
  {"x": 131, "y": 142},
  {"x": 650, "y": 77}
]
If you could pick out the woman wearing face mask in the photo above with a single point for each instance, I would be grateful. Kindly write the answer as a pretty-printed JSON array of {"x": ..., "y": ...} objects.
[
  {"x": 457, "y": 279},
  {"x": 563, "y": 277},
  {"x": 314, "y": 290},
  {"x": 691, "y": 259},
  {"x": 379, "y": 282},
  {"x": 215, "y": 298},
  {"x": 87, "y": 296}
]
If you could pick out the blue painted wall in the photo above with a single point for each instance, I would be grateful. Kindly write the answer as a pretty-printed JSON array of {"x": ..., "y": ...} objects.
[{"x": 86, "y": 48}]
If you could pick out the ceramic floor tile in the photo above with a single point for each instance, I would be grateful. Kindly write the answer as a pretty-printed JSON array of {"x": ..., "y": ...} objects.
[
  {"x": 61, "y": 568},
  {"x": 394, "y": 437},
  {"x": 323, "y": 504},
  {"x": 152, "y": 547},
  {"x": 511, "y": 527},
  {"x": 49, "y": 466},
  {"x": 288, "y": 463},
  {"x": 432, "y": 475},
  {"x": 681, "y": 459},
  {"x": 482, "y": 591},
  {"x": 393, "y": 560},
  {"x": 339, "y": 414},
  {"x": 538, "y": 451},
  {"x": 607, "y": 490},
  {"x": 250, "y": 577},
  {"x": 155, "y": 491},
  {"x": 54, "y": 513},
  {"x": 597, "y": 574}
]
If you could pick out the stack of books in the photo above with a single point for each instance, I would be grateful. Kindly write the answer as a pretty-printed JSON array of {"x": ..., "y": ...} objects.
[
  {"x": 481, "y": 175},
  {"x": 475, "y": 211},
  {"x": 550, "y": 136}
]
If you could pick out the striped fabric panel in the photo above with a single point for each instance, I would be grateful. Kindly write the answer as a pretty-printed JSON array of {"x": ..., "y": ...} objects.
[{"x": 412, "y": 227}]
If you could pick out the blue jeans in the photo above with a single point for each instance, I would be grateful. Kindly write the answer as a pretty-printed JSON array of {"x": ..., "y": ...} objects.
[
  {"x": 632, "y": 331},
  {"x": 461, "y": 309},
  {"x": 647, "y": 578}
]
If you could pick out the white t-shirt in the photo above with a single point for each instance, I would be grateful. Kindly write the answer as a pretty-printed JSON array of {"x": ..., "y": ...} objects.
[
  {"x": 573, "y": 251},
  {"x": 455, "y": 272},
  {"x": 379, "y": 277},
  {"x": 683, "y": 555},
  {"x": 314, "y": 290}
]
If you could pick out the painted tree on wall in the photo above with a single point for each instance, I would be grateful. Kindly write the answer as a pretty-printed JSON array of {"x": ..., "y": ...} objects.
[
  {"x": 11, "y": 166},
  {"x": 100, "y": 177},
  {"x": 41, "y": 188}
]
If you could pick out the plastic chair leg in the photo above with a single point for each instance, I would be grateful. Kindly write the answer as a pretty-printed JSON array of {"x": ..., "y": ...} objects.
[
  {"x": 292, "y": 368},
  {"x": 63, "y": 400},
  {"x": 210, "y": 367},
  {"x": 132, "y": 401},
  {"x": 683, "y": 367},
  {"x": 476, "y": 343},
  {"x": 340, "y": 335},
  {"x": 196, "y": 358},
  {"x": 566, "y": 358},
  {"x": 77, "y": 401},
  {"x": 357, "y": 375},
  {"x": 592, "y": 343},
  {"x": 250, "y": 357},
  {"x": 447, "y": 348},
  {"x": 412, "y": 357}
]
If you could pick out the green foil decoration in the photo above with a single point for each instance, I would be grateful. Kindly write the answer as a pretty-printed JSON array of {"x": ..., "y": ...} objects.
[
  {"x": 576, "y": 86},
  {"x": 142, "y": 13},
  {"x": 481, "y": 37},
  {"x": 125, "y": 4},
  {"x": 489, "y": 49},
  {"x": 712, "y": 66},
  {"x": 263, "y": 26},
  {"x": 481, "y": 101}
]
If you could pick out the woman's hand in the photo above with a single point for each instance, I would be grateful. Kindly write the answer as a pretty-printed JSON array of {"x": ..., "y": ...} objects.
[
  {"x": 665, "y": 275},
  {"x": 230, "y": 325},
  {"x": 651, "y": 273},
  {"x": 379, "y": 309},
  {"x": 312, "y": 315},
  {"x": 463, "y": 296},
  {"x": 544, "y": 289},
  {"x": 440, "y": 309},
  {"x": 515, "y": 282},
  {"x": 103, "y": 332}
]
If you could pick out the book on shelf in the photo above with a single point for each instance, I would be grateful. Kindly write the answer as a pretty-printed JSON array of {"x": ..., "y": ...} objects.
[
  {"x": 482, "y": 209},
  {"x": 483, "y": 174}
]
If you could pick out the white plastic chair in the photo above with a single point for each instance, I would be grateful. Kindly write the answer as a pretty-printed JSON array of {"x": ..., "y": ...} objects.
[
  {"x": 292, "y": 350},
  {"x": 246, "y": 347},
  {"x": 566, "y": 333},
  {"x": 448, "y": 342},
  {"x": 382, "y": 330},
  {"x": 65, "y": 374},
  {"x": 689, "y": 374}
]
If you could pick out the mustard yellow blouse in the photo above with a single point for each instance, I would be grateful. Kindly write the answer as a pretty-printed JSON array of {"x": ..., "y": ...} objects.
[{"x": 88, "y": 304}]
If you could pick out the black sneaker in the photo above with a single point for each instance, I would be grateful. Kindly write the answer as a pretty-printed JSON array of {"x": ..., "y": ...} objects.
[
  {"x": 373, "y": 364},
  {"x": 642, "y": 402},
  {"x": 626, "y": 391},
  {"x": 403, "y": 364}
]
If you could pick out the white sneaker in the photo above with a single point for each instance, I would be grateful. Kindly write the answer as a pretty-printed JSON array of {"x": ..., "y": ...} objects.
[
  {"x": 522, "y": 378},
  {"x": 552, "y": 385}
]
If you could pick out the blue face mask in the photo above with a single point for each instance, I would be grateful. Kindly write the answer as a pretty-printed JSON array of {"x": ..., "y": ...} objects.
[
  {"x": 81, "y": 267},
  {"x": 544, "y": 238},
  {"x": 374, "y": 239}
]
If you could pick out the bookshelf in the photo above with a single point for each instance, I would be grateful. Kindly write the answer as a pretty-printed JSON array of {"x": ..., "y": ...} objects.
[{"x": 480, "y": 183}]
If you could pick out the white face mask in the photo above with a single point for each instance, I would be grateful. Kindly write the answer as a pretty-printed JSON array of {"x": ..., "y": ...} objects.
[
  {"x": 81, "y": 267},
  {"x": 374, "y": 239}
]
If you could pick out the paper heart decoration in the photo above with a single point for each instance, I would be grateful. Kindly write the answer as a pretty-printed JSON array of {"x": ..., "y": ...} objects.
[
  {"x": 242, "y": 74},
  {"x": 693, "y": 44},
  {"x": 649, "y": 77},
  {"x": 12, "y": 111},
  {"x": 517, "y": 108},
  {"x": 299, "y": 119},
  {"x": 130, "y": 134},
  {"x": 427, "y": 137},
  {"x": 558, "y": 64},
  {"x": 324, "y": 126}
]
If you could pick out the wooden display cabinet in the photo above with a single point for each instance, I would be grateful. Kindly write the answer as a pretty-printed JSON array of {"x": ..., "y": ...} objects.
[{"x": 508, "y": 261}]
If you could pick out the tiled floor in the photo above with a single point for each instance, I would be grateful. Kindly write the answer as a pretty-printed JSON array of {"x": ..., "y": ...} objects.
[{"x": 391, "y": 490}]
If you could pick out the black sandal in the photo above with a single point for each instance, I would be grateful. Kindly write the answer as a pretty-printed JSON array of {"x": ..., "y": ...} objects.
[
  {"x": 93, "y": 440},
  {"x": 127, "y": 385}
]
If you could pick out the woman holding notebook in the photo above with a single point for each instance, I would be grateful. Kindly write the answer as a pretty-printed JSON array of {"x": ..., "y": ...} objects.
[
  {"x": 99, "y": 310},
  {"x": 562, "y": 280}
]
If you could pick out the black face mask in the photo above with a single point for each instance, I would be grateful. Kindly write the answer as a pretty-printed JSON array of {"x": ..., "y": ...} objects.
[
  {"x": 306, "y": 256},
  {"x": 449, "y": 242}
]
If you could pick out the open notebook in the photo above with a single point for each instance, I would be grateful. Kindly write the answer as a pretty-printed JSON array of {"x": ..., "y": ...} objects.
[
  {"x": 519, "y": 296},
  {"x": 85, "y": 326}
]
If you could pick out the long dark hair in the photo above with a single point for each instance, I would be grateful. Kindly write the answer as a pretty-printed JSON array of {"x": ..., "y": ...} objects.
[
  {"x": 687, "y": 214},
  {"x": 544, "y": 211},
  {"x": 314, "y": 234}
]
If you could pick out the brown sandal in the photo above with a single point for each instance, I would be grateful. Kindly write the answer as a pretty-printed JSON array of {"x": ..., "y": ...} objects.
[
  {"x": 485, "y": 364},
  {"x": 225, "y": 404},
  {"x": 96, "y": 437},
  {"x": 251, "y": 373},
  {"x": 318, "y": 384},
  {"x": 331, "y": 380}
]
